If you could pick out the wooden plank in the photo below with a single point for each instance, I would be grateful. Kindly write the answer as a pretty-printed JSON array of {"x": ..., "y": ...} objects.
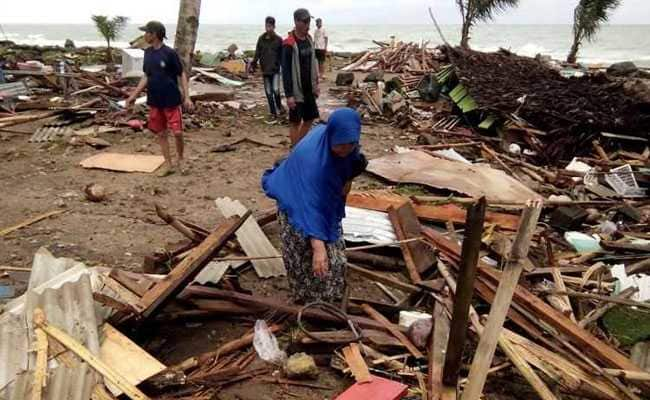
[
  {"x": 499, "y": 309},
  {"x": 380, "y": 201},
  {"x": 40, "y": 367},
  {"x": 30, "y": 221},
  {"x": 272, "y": 304},
  {"x": 515, "y": 357},
  {"x": 408, "y": 220},
  {"x": 372, "y": 313},
  {"x": 408, "y": 254},
  {"x": 253, "y": 240},
  {"x": 356, "y": 363},
  {"x": 558, "y": 280},
  {"x": 124, "y": 295},
  {"x": 463, "y": 294},
  {"x": 95, "y": 362},
  {"x": 537, "y": 307},
  {"x": 437, "y": 348},
  {"x": 123, "y": 279},
  {"x": 191, "y": 265},
  {"x": 126, "y": 358},
  {"x": 383, "y": 278}
]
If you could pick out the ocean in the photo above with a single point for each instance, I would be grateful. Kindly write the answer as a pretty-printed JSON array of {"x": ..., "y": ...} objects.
[{"x": 613, "y": 43}]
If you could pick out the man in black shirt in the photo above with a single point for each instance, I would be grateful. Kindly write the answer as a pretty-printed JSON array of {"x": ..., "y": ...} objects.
[
  {"x": 300, "y": 76},
  {"x": 269, "y": 51},
  {"x": 163, "y": 71}
]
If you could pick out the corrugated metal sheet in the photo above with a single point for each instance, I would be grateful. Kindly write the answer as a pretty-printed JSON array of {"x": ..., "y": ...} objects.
[
  {"x": 67, "y": 299},
  {"x": 361, "y": 225},
  {"x": 70, "y": 308},
  {"x": 253, "y": 240},
  {"x": 13, "y": 89}
]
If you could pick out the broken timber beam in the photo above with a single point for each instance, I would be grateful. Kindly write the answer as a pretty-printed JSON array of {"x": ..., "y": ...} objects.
[
  {"x": 83, "y": 353},
  {"x": 524, "y": 299},
  {"x": 191, "y": 265},
  {"x": 407, "y": 252},
  {"x": 385, "y": 279},
  {"x": 271, "y": 304},
  {"x": 499, "y": 309},
  {"x": 389, "y": 326},
  {"x": 407, "y": 226},
  {"x": 463, "y": 295}
]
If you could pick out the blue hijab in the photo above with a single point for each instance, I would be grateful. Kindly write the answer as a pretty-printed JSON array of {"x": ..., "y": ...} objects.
[{"x": 308, "y": 185}]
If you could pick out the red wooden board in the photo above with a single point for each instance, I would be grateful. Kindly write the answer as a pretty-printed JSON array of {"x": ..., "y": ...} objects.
[{"x": 377, "y": 389}]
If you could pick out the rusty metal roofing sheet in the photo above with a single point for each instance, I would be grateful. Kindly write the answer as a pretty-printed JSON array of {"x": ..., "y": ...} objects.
[
  {"x": 253, "y": 240},
  {"x": 474, "y": 180}
]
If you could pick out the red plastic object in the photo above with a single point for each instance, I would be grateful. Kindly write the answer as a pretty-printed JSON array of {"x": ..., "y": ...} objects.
[{"x": 377, "y": 389}]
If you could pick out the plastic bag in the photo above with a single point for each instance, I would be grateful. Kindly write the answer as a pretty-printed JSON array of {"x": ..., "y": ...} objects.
[{"x": 266, "y": 345}]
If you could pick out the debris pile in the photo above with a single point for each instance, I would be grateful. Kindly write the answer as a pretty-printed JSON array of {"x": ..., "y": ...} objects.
[
  {"x": 397, "y": 57},
  {"x": 475, "y": 270}
]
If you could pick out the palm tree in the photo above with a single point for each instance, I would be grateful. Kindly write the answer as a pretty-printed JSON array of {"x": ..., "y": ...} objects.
[
  {"x": 110, "y": 29},
  {"x": 474, "y": 11},
  {"x": 187, "y": 31},
  {"x": 587, "y": 18}
]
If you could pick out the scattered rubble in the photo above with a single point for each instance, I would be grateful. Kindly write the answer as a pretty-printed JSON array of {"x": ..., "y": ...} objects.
[{"x": 506, "y": 248}]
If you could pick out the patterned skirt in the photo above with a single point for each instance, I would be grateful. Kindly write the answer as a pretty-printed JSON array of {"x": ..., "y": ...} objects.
[{"x": 297, "y": 254}]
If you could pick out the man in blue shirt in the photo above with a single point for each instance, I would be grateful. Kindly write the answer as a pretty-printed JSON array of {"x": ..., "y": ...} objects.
[{"x": 163, "y": 74}]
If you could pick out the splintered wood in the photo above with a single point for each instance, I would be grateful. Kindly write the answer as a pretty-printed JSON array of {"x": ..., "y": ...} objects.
[
  {"x": 356, "y": 363},
  {"x": 191, "y": 265},
  {"x": 253, "y": 240}
]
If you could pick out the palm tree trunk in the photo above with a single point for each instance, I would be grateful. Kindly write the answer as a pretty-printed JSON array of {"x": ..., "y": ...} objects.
[
  {"x": 109, "y": 55},
  {"x": 573, "y": 54},
  {"x": 464, "y": 38},
  {"x": 187, "y": 30}
]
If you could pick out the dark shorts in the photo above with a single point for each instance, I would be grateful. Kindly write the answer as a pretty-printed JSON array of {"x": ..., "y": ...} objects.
[
  {"x": 320, "y": 55},
  {"x": 304, "y": 111}
]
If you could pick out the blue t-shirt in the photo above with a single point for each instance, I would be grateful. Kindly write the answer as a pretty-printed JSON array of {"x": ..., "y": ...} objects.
[{"x": 162, "y": 67}]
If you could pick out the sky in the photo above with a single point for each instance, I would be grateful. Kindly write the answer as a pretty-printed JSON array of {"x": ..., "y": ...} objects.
[{"x": 332, "y": 11}]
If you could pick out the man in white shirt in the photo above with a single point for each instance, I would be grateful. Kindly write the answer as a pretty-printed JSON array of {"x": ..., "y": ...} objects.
[{"x": 320, "y": 44}]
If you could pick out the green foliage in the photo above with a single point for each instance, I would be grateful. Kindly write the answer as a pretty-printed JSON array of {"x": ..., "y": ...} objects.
[
  {"x": 589, "y": 15},
  {"x": 484, "y": 10},
  {"x": 110, "y": 29}
]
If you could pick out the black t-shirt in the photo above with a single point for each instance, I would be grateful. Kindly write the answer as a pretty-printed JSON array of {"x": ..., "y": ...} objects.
[
  {"x": 162, "y": 67},
  {"x": 305, "y": 52}
]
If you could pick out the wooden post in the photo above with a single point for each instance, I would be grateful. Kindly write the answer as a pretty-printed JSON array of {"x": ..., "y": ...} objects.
[
  {"x": 437, "y": 348},
  {"x": 509, "y": 279},
  {"x": 463, "y": 297}
]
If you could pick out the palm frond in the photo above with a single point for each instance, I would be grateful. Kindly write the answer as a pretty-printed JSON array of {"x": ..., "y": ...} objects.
[
  {"x": 110, "y": 29},
  {"x": 485, "y": 10},
  {"x": 589, "y": 15}
]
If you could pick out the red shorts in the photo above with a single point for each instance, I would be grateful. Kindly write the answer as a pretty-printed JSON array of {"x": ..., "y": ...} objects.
[{"x": 165, "y": 119}]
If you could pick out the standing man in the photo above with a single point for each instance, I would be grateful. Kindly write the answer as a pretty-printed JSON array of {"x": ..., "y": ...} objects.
[
  {"x": 300, "y": 76},
  {"x": 269, "y": 52},
  {"x": 163, "y": 74},
  {"x": 320, "y": 41}
]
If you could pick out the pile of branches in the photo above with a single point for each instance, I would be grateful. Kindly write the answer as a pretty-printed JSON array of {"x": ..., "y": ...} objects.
[
  {"x": 399, "y": 57},
  {"x": 571, "y": 110}
]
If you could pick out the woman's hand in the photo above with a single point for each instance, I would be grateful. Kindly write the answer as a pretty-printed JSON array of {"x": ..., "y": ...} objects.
[{"x": 320, "y": 262}]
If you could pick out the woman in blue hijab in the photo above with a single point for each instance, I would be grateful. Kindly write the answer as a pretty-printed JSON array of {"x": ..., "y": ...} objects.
[{"x": 310, "y": 187}]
